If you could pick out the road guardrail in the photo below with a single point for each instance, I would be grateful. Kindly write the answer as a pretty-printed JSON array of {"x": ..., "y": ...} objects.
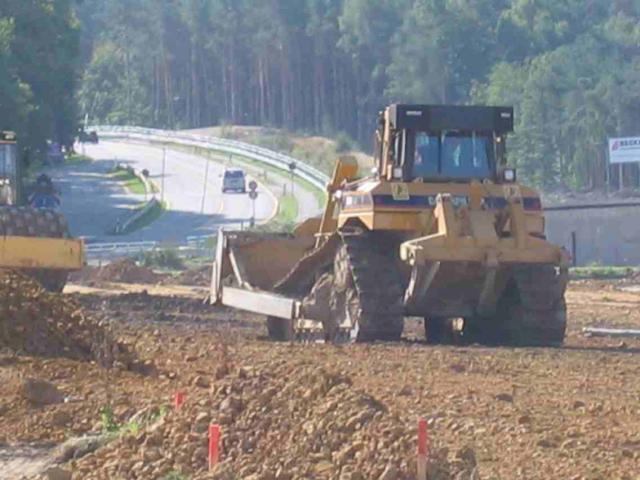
[{"x": 262, "y": 155}]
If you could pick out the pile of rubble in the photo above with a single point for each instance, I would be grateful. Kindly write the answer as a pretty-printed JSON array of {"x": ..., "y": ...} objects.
[
  {"x": 39, "y": 323},
  {"x": 198, "y": 277},
  {"x": 124, "y": 270},
  {"x": 278, "y": 422}
]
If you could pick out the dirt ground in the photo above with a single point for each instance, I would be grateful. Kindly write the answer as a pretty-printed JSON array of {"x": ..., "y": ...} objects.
[{"x": 343, "y": 412}]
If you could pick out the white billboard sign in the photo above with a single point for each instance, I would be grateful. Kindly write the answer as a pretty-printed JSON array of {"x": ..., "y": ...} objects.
[{"x": 624, "y": 150}]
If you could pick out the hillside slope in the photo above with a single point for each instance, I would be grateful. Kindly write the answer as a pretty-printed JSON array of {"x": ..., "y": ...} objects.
[{"x": 319, "y": 152}]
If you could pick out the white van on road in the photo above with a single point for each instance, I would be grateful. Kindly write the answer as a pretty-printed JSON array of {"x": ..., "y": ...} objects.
[{"x": 234, "y": 179}]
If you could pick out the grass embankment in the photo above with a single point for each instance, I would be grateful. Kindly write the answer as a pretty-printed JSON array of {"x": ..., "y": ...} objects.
[
  {"x": 602, "y": 272},
  {"x": 320, "y": 152},
  {"x": 148, "y": 218},
  {"x": 129, "y": 180},
  {"x": 287, "y": 209},
  {"x": 70, "y": 160},
  {"x": 76, "y": 159}
]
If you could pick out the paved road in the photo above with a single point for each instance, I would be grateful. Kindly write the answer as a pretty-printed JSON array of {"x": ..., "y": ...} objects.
[{"x": 93, "y": 203}]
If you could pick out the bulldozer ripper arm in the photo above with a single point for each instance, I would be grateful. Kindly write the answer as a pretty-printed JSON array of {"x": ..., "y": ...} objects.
[
  {"x": 345, "y": 171},
  {"x": 479, "y": 241},
  {"x": 483, "y": 243}
]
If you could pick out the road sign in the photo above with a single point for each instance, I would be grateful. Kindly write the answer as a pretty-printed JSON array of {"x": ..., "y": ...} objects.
[
  {"x": 292, "y": 166},
  {"x": 253, "y": 194},
  {"x": 624, "y": 150},
  {"x": 253, "y": 185}
]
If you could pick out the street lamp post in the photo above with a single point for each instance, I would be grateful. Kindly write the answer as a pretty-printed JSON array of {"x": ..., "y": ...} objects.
[
  {"x": 292, "y": 169},
  {"x": 253, "y": 195},
  {"x": 164, "y": 164},
  {"x": 204, "y": 193}
]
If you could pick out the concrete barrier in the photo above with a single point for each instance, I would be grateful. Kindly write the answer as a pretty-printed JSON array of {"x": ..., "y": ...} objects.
[
  {"x": 124, "y": 227},
  {"x": 602, "y": 236}
]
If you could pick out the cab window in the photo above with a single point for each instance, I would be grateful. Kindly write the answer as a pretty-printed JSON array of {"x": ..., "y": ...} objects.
[
  {"x": 426, "y": 159},
  {"x": 453, "y": 155},
  {"x": 234, "y": 174},
  {"x": 8, "y": 160}
]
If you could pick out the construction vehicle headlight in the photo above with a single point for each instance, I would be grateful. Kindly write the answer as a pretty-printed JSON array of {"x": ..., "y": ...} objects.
[{"x": 509, "y": 175}]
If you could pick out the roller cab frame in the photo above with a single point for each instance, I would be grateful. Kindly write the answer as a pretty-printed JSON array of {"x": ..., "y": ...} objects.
[{"x": 30, "y": 253}]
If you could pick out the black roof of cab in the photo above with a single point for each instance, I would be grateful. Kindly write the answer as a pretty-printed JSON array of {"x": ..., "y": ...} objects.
[{"x": 451, "y": 117}]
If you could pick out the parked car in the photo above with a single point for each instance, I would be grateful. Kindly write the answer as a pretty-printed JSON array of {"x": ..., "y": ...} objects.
[{"x": 234, "y": 179}]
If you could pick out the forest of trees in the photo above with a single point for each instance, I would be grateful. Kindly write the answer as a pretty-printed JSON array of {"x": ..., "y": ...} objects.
[
  {"x": 39, "y": 69},
  {"x": 570, "y": 67}
]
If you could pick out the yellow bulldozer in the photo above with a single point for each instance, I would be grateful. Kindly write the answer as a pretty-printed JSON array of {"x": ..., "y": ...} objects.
[
  {"x": 34, "y": 241},
  {"x": 440, "y": 230}
]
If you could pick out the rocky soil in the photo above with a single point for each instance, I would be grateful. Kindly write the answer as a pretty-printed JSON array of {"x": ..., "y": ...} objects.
[
  {"x": 200, "y": 277},
  {"x": 328, "y": 412},
  {"x": 39, "y": 323}
]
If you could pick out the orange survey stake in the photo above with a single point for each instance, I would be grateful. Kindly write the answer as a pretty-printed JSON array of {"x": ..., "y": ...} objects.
[{"x": 214, "y": 445}]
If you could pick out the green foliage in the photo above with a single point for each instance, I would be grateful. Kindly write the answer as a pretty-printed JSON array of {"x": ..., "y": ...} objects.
[
  {"x": 569, "y": 67},
  {"x": 38, "y": 68},
  {"x": 109, "y": 424},
  {"x": 109, "y": 90},
  {"x": 288, "y": 209},
  {"x": 602, "y": 272},
  {"x": 132, "y": 427},
  {"x": 129, "y": 180},
  {"x": 76, "y": 158},
  {"x": 163, "y": 258},
  {"x": 276, "y": 140},
  {"x": 113, "y": 429},
  {"x": 344, "y": 143}
]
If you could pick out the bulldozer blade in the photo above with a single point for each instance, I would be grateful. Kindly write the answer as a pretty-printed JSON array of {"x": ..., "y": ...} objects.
[
  {"x": 263, "y": 303},
  {"x": 257, "y": 260}
]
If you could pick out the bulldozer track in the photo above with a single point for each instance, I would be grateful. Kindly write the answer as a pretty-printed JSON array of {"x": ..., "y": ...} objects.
[
  {"x": 32, "y": 222},
  {"x": 530, "y": 312},
  {"x": 376, "y": 305},
  {"x": 540, "y": 316},
  {"x": 362, "y": 296}
]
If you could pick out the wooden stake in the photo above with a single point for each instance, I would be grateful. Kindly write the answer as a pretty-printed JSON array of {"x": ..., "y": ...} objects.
[{"x": 423, "y": 449}]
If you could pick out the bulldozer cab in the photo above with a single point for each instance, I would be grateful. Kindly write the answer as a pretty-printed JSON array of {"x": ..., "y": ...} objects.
[
  {"x": 444, "y": 143},
  {"x": 8, "y": 168}
]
